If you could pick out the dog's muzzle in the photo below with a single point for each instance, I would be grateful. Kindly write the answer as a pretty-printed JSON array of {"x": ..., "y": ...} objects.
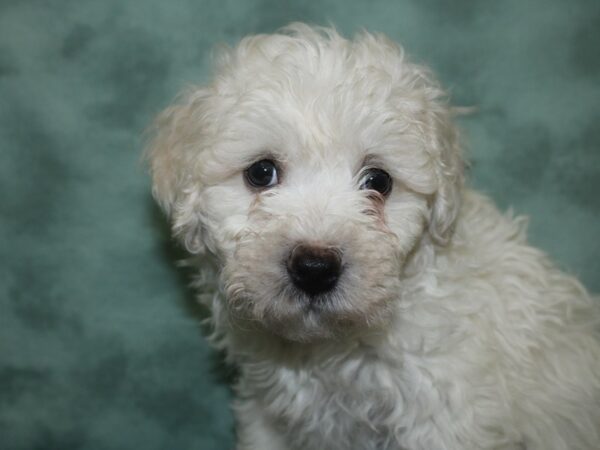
[{"x": 314, "y": 269}]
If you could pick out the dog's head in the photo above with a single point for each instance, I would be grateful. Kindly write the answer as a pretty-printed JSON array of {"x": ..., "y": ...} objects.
[{"x": 311, "y": 166}]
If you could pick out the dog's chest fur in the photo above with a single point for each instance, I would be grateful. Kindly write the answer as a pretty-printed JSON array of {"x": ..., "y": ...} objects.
[
  {"x": 329, "y": 405},
  {"x": 364, "y": 399}
]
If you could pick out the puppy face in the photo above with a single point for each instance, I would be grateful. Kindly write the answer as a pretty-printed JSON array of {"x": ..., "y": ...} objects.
[{"x": 311, "y": 167}]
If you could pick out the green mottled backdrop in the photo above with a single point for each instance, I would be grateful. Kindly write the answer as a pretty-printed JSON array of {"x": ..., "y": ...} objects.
[{"x": 100, "y": 346}]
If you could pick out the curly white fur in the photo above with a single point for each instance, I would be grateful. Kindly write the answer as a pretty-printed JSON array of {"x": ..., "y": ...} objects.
[{"x": 446, "y": 330}]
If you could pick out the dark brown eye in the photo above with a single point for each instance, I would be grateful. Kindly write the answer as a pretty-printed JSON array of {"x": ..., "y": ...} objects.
[
  {"x": 262, "y": 173},
  {"x": 377, "y": 180}
]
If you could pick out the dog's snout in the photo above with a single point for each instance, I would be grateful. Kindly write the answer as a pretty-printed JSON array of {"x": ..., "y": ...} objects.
[{"x": 314, "y": 269}]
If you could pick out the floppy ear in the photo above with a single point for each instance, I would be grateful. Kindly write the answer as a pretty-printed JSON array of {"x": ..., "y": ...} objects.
[
  {"x": 444, "y": 143},
  {"x": 172, "y": 152}
]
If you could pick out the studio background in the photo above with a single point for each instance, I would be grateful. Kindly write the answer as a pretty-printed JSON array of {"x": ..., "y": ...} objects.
[{"x": 100, "y": 346}]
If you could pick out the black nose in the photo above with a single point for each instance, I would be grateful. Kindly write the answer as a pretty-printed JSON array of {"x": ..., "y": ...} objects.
[{"x": 314, "y": 269}]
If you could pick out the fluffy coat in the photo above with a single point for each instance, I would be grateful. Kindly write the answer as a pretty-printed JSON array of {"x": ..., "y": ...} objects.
[{"x": 445, "y": 331}]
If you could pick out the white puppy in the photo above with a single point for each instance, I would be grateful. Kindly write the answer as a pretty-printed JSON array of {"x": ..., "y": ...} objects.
[{"x": 370, "y": 301}]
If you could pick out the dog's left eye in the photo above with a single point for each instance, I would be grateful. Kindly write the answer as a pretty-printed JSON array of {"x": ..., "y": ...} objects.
[
  {"x": 262, "y": 173},
  {"x": 377, "y": 180}
]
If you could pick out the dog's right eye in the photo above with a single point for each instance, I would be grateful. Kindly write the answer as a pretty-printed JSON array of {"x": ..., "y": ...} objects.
[{"x": 262, "y": 173}]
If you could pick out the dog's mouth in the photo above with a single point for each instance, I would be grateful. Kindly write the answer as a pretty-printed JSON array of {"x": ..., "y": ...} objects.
[
  {"x": 316, "y": 304},
  {"x": 301, "y": 317}
]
